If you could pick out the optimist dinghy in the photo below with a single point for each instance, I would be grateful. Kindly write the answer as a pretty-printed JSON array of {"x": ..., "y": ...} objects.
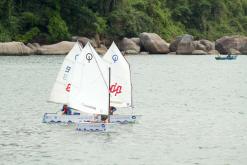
[
  {"x": 120, "y": 89},
  {"x": 89, "y": 92}
]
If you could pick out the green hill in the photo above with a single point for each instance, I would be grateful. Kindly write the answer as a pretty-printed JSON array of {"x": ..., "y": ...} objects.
[{"x": 49, "y": 21}]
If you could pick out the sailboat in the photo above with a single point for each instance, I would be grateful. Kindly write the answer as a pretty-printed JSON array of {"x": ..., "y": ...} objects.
[
  {"x": 120, "y": 88},
  {"x": 89, "y": 92},
  {"x": 61, "y": 88}
]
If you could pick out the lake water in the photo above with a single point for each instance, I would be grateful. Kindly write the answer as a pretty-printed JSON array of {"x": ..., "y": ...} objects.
[{"x": 194, "y": 113}]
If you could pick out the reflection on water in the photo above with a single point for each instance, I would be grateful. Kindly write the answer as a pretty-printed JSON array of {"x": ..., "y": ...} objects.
[{"x": 193, "y": 107}]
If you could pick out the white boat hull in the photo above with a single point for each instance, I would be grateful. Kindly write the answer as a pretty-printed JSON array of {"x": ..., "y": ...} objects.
[
  {"x": 59, "y": 118},
  {"x": 93, "y": 127},
  {"x": 124, "y": 119}
]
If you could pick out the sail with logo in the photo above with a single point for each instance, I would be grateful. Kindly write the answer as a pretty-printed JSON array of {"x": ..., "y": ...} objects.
[
  {"x": 120, "y": 78},
  {"x": 90, "y": 86},
  {"x": 59, "y": 93},
  {"x": 61, "y": 89}
]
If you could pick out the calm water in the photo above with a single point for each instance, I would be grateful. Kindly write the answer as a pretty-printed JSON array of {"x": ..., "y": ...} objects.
[{"x": 194, "y": 112}]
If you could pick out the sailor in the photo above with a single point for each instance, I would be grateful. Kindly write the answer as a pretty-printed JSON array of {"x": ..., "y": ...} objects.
[
  {"x": 66, "y": 110},
  {"x": 104, "y": 118},
  {"x": 112, "y": 109}
]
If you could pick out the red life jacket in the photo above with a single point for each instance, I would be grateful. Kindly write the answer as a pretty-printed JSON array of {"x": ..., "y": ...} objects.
[{"x": 65, "y": 110}]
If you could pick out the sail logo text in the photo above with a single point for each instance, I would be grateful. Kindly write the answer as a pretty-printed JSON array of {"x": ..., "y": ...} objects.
[
  {"x": 68, "y": 87},
  {"x": 114, "y": 58},
  {"x": 117, "y": 89}
]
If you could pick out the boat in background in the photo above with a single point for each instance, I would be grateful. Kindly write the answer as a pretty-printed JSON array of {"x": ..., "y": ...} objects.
[{"x": 226, "y": 57}]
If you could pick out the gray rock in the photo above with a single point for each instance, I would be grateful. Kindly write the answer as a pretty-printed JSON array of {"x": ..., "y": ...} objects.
[
  {"x": 136, "y": 40},
  {"x": 234, "y": 51},
  {"x": 224, "y": 44},
  {"x": 84, "y": 41},
  {"x": 34, "y": 47},
  {"x": 199, "y": 46},
  {"x": 213, "y": 52},
  {"x": 185, "y": 46},
  {"x": 173, "y": 46},
  {"x": 102, "y": 50},
  {"x": 208, "y": 44},
  {"x": 199, "y": 52},
  {"x": 14, "y": 48},
  {"x": 144, "y": 53},
  {"x": 131, "y": 52},
  {"x": 153, "y": 43},
  {"x": 128, "y": 45},
  {"x": 60, "y": 48},
  {"x": 172, "y": 53}
]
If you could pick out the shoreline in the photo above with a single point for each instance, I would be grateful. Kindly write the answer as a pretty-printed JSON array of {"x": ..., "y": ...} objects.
[{"x": 145, "y": 44}]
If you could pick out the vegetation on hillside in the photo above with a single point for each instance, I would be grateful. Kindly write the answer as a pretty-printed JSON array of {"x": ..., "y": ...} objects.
[{"x": 50, "y": 21}]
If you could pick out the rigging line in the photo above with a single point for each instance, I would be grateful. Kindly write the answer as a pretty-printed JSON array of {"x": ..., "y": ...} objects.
[{"x": 99, "y": 69}]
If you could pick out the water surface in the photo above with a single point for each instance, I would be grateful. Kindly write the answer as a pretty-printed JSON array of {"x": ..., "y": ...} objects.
[{"x": 194, "y": 112}]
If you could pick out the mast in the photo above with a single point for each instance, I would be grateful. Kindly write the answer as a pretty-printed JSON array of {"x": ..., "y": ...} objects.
[{"x": 109, "y": 96}]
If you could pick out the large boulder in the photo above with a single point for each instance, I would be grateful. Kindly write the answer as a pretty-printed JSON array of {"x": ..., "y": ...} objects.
[
  {"x": 213, "y": 52},
  {"x": 199, "y": 46},
  {"x": 185, "y": 46},
  {"x": 14, "y": 48},
  {"x": 207, "y": 44},
  {"x": 84, "y": 41},
  {"x": 198, "y": 52},
  {"x": 234, "y": 51},
  {"x": 128, "y": 45},
  {"x": 174, "y": 44},
  {"x": 153, "y": 43},
  {"x": 101, "y": 50},
  {"x": 34, "y": 47},
  {"x": 60, "y": 48},
  {"x": 136, "y": 40},
  {"x": 224, "y": 44}
]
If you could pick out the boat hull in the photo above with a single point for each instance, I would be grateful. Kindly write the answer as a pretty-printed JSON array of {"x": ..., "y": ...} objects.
[
  {"x": 93, "y": 127},
  {"x": 226, "y": 58},
  {"x": 58, "y": 118}
]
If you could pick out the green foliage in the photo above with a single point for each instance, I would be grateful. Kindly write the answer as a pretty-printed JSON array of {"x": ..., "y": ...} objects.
[
  {"x": 28, "y": 36},
  {"x": 128, "y": 22},
  {"x": 4, "y": 34},
  {"x": 57, "y": 28},
  {"x": 54, "y": 20}
]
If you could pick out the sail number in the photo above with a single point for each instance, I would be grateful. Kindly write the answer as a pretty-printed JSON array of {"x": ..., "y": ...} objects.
[
  {"x": 116, "y": 89},
  {"x": 68, "y": 87},
  {"x": 66, "y": 72}
]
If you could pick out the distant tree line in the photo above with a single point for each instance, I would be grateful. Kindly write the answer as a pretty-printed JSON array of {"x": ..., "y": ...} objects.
[{"x": 48, "y": 21}]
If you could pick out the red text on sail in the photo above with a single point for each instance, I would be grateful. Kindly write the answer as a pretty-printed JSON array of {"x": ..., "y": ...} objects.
[{"x": 117, "y": 89}]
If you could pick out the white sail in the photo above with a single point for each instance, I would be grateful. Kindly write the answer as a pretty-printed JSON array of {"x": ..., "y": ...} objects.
[
  {"x": 61, "y": 87},
  {"x": 89, "y": 90},
  {"x": 120, "y": 87}
]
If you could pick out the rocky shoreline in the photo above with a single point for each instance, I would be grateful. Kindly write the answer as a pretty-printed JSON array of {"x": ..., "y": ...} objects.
[{"x": 146, "y": 43}]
